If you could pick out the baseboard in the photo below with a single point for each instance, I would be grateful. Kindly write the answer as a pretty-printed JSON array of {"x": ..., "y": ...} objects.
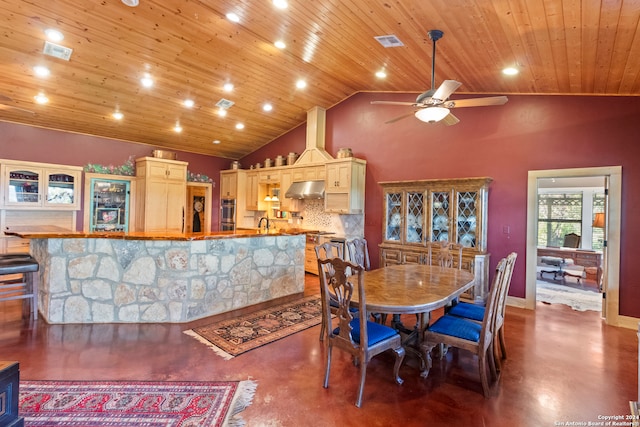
[
  {"x": 627, "y": 322},
  {"x": 516, "y": 302},
  {"x": 623, "y": 321}
]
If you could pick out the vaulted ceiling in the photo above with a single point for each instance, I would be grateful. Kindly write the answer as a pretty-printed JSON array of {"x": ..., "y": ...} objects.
[{"x": 191, "y": 49}]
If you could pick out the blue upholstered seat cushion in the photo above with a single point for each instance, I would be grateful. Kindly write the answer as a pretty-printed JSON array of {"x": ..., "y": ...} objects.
[
  {"x": 376, "y": 332},
  {"x": 457, "y": 327},
  {"x": 468, "y": 311}
]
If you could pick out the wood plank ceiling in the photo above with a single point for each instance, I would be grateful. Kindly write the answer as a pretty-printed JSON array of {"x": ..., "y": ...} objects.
[{"x": 191, "y": 50}]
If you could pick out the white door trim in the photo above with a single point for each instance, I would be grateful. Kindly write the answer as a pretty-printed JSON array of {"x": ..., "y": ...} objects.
[{"x": 611, "y": 277}]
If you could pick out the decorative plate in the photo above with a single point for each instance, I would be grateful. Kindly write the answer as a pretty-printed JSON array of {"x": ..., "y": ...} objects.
[
  {"x": 466, "y": 240},
  {"x": 440, "y": 222}
]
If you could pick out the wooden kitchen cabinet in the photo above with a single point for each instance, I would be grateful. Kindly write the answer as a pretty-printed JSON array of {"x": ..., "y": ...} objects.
[
  {"x": 252, "y": 187},
  {"x": 309, "y": 173},
  {"x": 286, "y": 204},
  {"x": 418, "y": 212},
  {"x": 229, "y": 184},
  {"x": 345, "y": 186},
  {"x": 269, "y": 176},
  {"x": 162, "y": 193}
]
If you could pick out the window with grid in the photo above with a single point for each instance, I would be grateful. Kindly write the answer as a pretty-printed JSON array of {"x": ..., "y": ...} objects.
[{"x": 558, "y": 215}]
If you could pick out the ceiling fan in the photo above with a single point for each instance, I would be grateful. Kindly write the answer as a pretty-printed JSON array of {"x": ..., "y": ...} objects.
[
  {"x": 434, "y": 105},
  {"x": 6, "y": 104}
]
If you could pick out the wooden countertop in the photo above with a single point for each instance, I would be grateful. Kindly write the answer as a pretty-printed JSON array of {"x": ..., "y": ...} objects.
[{"x": 59, "y": 233}]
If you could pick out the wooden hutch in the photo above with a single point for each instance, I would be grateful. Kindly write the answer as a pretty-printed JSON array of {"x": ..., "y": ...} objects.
[{"x": 455, "y": 210}]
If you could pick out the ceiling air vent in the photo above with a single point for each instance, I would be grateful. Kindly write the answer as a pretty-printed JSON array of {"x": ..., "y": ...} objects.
[
  {"x": 224, "y": 103},
  {"x": 389, "y": 41},
  {"x": 57, "y": 51}
]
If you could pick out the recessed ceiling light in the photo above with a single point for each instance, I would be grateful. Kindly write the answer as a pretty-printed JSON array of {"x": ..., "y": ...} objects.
[
  {"x": 54, "y": 35},
  {"x": 280, "y": 44},
  {"x": 117, "y": 115},
  {"x": 130, "y": 3},
  {"x": 41, "y": 98},
  {"x": 228, "y": 87},
  {"x": 41, "y": 71},
  {"x": 301, "y": 84},
  {"x": 189, "y": 103},
  {"x": 222, "y": 112},
  {"x": 280, "y": 4},
  {"x": 216, "y": 141},
  {"x": 510, "y": 71},
  {"x": 239, "y": 126},
  {"x": 146, "y": 81},
  {"x": 267, "y": 107},
  {"x": 381, "y": 74},
  {"x": 177, "y": 128},
  {"x": 233, "y": 17}
]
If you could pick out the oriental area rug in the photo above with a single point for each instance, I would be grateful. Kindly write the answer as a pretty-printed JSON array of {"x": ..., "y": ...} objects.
[
  {"x": 229, "y": 338},
  {"x": 134, "y": 403}
]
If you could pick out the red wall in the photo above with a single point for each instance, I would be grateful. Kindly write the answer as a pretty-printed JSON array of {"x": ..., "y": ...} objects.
[
  {"x": 18, "y": 142},
  {"x": 503, "y": 142}
]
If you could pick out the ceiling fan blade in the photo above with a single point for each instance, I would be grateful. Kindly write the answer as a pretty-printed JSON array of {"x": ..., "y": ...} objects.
[
  {"x": 446, "y": 89},
  {"x": 404, "y": 116},
  {"x": 11, "y": 107},
  {"x": 476, "y": 102},
  {"x": 393, "y": 103},
  {"x": 450, "y": 120}
]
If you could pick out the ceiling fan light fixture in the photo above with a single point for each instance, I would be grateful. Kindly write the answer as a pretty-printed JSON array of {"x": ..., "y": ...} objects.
[{"x": 432, "y": 114}]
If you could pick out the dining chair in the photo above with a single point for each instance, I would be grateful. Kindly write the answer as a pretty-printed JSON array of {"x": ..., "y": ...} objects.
[
  {"x": 475, "y": 312},
  {"x": 465, "y": 334},
  {"x": 358, "y": 253},
  {"x": 358, "y": 336},
  {"x": 445, "y": 254},
  {"x": 325, "y": 251}
]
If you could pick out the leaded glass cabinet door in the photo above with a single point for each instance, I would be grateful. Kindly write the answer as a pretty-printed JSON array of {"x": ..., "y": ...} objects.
[
  {"x": 467, "y": 218},
  {"x": 440, "y": 215},
  {"x": 393, "y": 216},
  {"x": 415, "y": 207}
]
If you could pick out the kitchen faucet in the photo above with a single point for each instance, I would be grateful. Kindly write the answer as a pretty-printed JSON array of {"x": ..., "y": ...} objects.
[{"x": 265, "y": 218}]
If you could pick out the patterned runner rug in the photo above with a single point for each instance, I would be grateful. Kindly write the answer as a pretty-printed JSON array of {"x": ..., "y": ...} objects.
[
  {"x": 134, "y": 403},
  {"x": 229, "y": 338}
]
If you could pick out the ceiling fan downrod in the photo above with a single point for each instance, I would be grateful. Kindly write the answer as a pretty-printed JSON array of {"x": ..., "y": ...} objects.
[{"x": 434, "y": 35}]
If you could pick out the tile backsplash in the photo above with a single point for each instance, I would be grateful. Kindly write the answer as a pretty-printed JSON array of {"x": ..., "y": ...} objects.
[{"x": 314, "y": 217}]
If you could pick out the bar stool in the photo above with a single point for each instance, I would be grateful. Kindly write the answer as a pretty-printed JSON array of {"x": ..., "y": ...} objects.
[{"x": 23, "y": 287}]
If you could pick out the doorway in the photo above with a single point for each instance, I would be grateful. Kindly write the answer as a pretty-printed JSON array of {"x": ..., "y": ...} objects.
[{"x": 611, "y": 262}]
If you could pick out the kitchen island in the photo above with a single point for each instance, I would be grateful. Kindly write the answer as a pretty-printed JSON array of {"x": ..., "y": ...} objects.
[{"x": 161, "y": 278}]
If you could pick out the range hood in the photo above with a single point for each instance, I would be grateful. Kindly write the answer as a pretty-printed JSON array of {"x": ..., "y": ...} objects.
[
  {"x": 315, "y": 152},
  {"x": 306, "y": 190}
]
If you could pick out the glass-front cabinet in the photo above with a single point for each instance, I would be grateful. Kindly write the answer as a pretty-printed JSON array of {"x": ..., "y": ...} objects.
[
  {"x": 34, "y": 185},
  {"x": 433, "y": 214},
  {"x": 109, "y": 204},
  {"x": 419, "y": 212}
]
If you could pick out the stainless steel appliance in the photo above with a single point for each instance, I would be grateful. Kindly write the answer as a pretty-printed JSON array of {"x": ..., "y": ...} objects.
[{"x": 227, "y": 214}]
